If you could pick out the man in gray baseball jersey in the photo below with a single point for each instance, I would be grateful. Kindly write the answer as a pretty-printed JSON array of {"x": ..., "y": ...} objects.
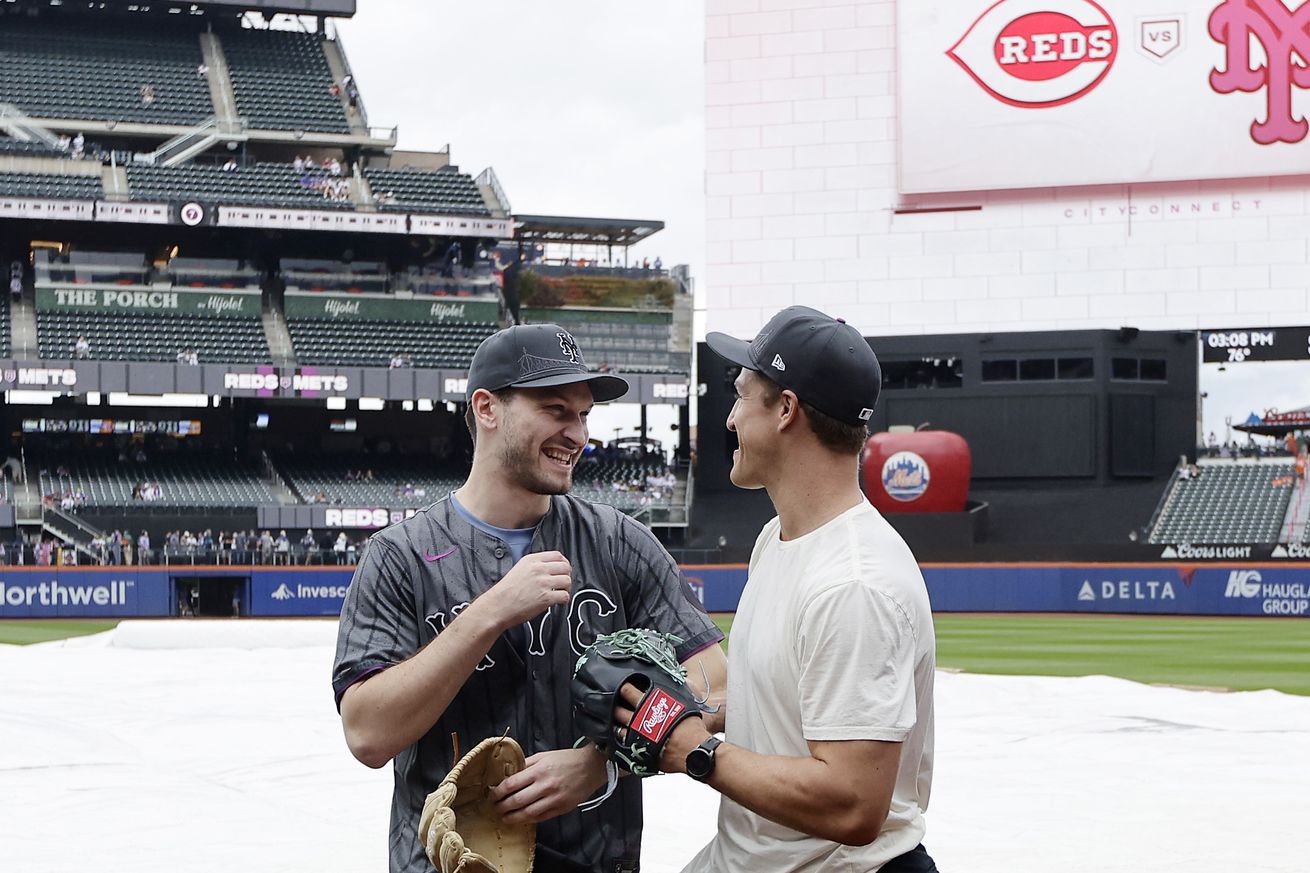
[{"x": 467, "y": 619}]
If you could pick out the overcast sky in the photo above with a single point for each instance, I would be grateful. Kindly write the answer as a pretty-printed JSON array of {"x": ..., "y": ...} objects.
[{"x": 583, "y": 107}]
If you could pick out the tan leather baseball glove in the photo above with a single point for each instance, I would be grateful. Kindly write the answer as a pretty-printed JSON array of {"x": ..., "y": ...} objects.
[{"x": 460, "y": 828}]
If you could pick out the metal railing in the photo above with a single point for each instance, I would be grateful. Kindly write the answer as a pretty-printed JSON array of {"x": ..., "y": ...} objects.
[{"x": 488, "y": 178}]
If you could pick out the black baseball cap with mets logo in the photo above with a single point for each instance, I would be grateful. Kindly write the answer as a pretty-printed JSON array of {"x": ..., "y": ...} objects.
[
  {"x": 823, "y": 360},
  {"x": 537, "y": 356}
]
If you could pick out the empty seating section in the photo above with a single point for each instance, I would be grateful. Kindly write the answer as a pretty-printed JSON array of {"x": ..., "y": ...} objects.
[
  {"x": 374, "y": 343},
  {"x": 321, "y": 275},
  {"x": 87, "y": 267},
  {"x": 153, "y": 337},
  {"x": 630, "y": 348},
  {"x": 1226, "y": 504},
  {"x": 446, "y": 192},
  {"x": 50, "y": 186},
  {"x": 103, "y": 70},
  {"x": 281, "y": 80},
  {"x": 211, "y": 273},
  {"x": 18, "y": 148},
  {"x": 620, "y": 482},
  {"x": 189, "y": 481},
  {"x": 397, "y": 482},
  {"x": 268, "y": 184}
]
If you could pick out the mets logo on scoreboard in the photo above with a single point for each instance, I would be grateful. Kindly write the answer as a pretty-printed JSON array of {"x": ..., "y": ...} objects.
[{"x": 1038, "y": 53}]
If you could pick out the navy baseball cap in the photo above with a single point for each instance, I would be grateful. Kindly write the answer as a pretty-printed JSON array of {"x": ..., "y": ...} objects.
[
  {"x": 824, "y": 360},
  {"x": 537, "y": 356}
]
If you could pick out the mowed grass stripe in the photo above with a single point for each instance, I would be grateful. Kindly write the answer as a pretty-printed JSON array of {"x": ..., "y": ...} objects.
[
  {"x": 22, "y": 632},
  {"x": 1236, "y": 653}
]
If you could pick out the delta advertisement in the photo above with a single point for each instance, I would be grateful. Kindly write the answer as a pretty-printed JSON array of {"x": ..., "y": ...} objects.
[{"x": 1159, "y": 589}]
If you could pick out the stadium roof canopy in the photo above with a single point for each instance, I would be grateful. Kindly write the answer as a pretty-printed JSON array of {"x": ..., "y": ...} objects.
[
  {"x": 586, "y": 231},
  {"x": 1277, "y": 424}
]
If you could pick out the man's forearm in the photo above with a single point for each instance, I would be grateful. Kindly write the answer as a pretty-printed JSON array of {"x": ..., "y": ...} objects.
[
  {"x": 800, "y": 793},
  {"x": 392, "y": 709}
]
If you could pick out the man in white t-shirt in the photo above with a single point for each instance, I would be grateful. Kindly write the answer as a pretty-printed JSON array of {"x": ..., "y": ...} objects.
[{"x": 827, "y": 762}]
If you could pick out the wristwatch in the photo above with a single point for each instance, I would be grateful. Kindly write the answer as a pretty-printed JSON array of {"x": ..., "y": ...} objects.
[{"x": 700, "y": 760}]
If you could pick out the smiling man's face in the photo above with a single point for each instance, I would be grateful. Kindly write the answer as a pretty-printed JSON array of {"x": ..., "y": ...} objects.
[{"x": 542, "y": 435}]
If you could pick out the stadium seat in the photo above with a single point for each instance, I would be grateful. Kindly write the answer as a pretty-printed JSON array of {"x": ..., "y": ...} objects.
[
  {"x": 267, "y": 184},
  {"x": 153, "y": 337},
  {"x": 51, "y": 186},
  {"x": 281, "y": 80},
  {"x": 203, "y": 481},
  {"x": 1226, "y": 503},
  {"x": 446, "y": 191},
  {"x": 373, "y": 343},
  {"x": 96, "y": 70}
]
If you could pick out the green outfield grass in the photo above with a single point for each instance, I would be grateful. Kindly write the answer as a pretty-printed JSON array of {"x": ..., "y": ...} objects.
[
  {"x": 1234, "y": 653},
  {"x": 17, "y": 631}
]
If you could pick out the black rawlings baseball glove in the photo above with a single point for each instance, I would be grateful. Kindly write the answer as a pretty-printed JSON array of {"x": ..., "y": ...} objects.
[{"x": 647, "y": 660}]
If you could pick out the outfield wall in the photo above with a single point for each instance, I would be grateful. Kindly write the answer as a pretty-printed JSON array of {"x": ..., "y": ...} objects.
[{"x": 1252, "y": 589}]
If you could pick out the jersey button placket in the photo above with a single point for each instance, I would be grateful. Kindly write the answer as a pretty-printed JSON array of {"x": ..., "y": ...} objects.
[{"x": 499, "y": 552}]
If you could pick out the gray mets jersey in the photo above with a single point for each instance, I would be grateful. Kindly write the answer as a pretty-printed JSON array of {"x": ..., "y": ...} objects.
[{"x": 417, "y": 575}]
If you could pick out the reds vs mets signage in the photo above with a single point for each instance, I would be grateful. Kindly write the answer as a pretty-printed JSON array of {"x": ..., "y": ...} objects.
[{"x": 1044, "y": 93}]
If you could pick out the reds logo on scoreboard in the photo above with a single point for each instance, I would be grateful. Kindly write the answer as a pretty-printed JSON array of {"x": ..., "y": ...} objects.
[{"x": 1038, "y": 53}]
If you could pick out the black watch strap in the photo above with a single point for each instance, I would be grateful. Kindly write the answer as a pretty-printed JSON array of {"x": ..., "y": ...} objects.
[{"x": 700, "y": 760}]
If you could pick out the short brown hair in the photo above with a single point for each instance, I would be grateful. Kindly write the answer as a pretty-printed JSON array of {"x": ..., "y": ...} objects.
[{"x": 834, "y": 435}]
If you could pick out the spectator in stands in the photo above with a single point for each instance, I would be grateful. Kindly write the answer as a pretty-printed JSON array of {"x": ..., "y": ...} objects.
[
  {"x": 1212, "y": 443},
  {"x": 16, "y": 279},
  {"x": 77, "y": 147},
  {"x": 645, "y": 263},
  {"x": 147, "y": 95},
  {"x": 143, "y": 552},
  {"x": 230, "y": 165},
  {"x": 334, "y": 90},
  {"x": 4, "y": 554},
  {"x": 81, "y": 348},
  {"x": 396, "y": 362},
  {"x": 116, "y": 548},
  {"x": 338, "y": 548},
  {"x": 659, "y": 264},
  {"x": 283, "y": 548},
  {"x": 266, "y": 548},
  {"x": 334, "y": 167},
  {"x": 298, "y": 164},
  {"x": 310, "y": 165},
  {"x": 352, "y": 92},
  {"x": 203, "y": 70},
  {"x": 309, "y": 545}
]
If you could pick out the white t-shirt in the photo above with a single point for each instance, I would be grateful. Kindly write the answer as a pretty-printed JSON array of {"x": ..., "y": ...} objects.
[{"x": 833, "y": 640}]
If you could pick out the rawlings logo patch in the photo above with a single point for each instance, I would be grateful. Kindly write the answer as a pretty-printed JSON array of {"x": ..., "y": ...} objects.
[{"x": 656, "y": 715}]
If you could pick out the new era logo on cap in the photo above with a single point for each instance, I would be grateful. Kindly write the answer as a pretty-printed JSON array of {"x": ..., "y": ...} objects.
[{"x": 828, "y": 363}]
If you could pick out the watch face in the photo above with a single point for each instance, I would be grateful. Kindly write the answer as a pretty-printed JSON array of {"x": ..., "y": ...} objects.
[{"x": 699, "y": 763}]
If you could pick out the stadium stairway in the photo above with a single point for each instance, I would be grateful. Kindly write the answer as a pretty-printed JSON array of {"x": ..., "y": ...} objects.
[
  {"x": 277, "y": 335},
  {"x": 220, "y": 79},
  {"x": 336, "y": 61},
  {"x": 22, "y": 327},
  {"x": 1296, "y": 524}
]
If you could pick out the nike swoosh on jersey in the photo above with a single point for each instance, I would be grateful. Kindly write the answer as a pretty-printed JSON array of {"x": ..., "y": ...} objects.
[{"x": 437, "y": 557}]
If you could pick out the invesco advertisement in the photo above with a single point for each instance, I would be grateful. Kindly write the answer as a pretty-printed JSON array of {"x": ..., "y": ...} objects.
[
  {"x": 1161, "y": 589},
  {"x": 1043, "y": 93}
]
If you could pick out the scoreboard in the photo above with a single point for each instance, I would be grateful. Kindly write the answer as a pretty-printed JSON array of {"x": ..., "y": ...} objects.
[{"x": 1238, "y": 345}]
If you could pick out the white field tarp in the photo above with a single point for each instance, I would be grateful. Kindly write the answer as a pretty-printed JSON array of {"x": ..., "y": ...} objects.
[{"x": 213, "y": 746}]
